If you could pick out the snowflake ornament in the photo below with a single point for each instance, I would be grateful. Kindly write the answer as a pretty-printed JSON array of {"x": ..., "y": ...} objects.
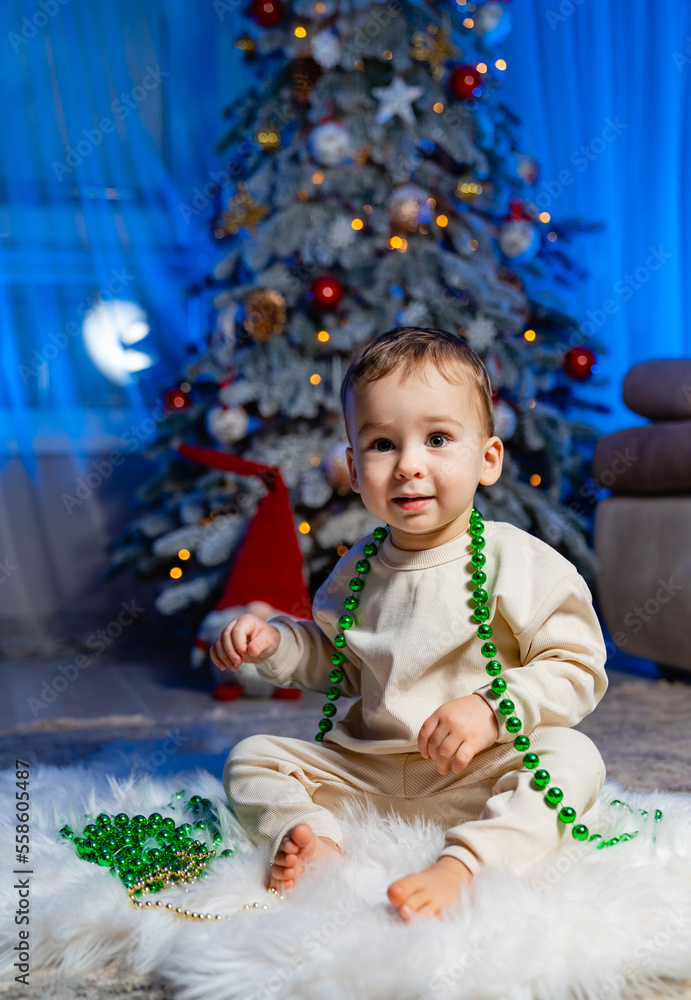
[
  {"x": 396, "y": 99},
  {"x": 480, "y": 333},
  {"x": 326, "y": 49}
]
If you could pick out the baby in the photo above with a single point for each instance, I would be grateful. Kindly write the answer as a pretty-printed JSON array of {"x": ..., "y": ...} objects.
[{"x": 428, "y": 734}]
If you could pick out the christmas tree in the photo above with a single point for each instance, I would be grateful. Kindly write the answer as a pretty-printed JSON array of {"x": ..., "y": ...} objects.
[{"x": 376, "y": 180}]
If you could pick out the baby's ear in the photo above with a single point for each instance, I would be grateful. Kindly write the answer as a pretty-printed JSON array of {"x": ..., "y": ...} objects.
[{"x": 351, "y": 468}]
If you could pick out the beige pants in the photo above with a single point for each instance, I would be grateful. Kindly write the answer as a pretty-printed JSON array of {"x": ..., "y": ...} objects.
[{"x": 492, "y": 811}]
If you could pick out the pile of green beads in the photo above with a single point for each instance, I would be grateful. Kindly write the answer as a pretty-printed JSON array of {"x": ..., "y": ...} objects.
[
  {"x": 151, "y": 853},
  {"x": 541, "y": 778}
]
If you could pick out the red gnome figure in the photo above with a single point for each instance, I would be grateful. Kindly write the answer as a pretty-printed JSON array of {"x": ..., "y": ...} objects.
[{"x": 266, "y": 579}]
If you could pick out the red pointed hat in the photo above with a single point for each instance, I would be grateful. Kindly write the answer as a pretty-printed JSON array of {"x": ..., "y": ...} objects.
[{"x": 268, "y": 565}]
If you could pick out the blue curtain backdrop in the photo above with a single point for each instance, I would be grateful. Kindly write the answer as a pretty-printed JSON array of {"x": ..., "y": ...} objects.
[{"x": 136, "y": 89}]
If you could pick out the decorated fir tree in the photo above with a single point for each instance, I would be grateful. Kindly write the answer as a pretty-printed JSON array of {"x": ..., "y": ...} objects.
[{"x": 376, "y": 180}]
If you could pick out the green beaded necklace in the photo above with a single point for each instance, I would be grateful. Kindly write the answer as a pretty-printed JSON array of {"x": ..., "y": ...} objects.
[{"x": 541, "y": 777}]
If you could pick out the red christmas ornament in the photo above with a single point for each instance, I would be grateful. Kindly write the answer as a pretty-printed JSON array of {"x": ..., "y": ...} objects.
[
  {"x": 176, "y": 399},
  {"x": 517, "y": 211},
  {"x": 326, "y": 291},
  {"x": 267, "y": 13},
  {"x": 463, "y": 80},
  {"x": 578, "y": 363}
]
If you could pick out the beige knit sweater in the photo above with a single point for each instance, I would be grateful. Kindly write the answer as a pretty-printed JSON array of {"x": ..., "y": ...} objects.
[{"x": 414, "y": 643}]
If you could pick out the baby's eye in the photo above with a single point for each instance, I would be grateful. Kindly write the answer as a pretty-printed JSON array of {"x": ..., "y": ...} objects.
[
  {"x": 379, "y": 441},
  {"x": 437, "y": 436}
]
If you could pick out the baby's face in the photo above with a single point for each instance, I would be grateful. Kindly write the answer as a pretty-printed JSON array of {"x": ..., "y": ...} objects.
[{"x": 426, "y": 440}]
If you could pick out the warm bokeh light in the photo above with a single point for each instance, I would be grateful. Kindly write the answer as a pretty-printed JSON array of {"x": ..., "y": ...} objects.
[
  {"x": 317, "y": 177},
  {"x": 176, "y": 572},
  {"x": 442, "y": 221},
  {"x": 500, "y": 64},
  {"x": 387, "y": 53},
  {"x": 473, "y": 244},
  {"x": 438, "y": 107},
  {"x": 357, "y": 224},
  {"x": 315, "y": 379},
  {"x": 341, "y": 550},
  {"x": 544, "y": 216},
  {"x": 395, "y": 242},
  {"x": 323, "y": 335},
  {"x": 303, "y": 195},
  {"x": 530, "y": 404},
  {"x": 529, "y": 335},
  {"x": 304, "y": 528},
  {"x": 551, "y": 236},
  {"x": 468, "y": 22},
  {"x": 300, "y": 32},
  {"x": 535, "y": 480},
  {"x": 184, "y": 554},
  {"x": 315, "y": 460},
  {"x": 481, "y": 67}
]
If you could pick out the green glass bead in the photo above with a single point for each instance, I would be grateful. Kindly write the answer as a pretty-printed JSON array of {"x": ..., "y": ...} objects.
[
  {"x": 186, "y": 829},
  {"x": 356, "y": 584},
  {"x": 336, "y": 676},
  {"x": 479, "y": 577},
  {"x": 380, "y": 534},
  {"x": 138, "y": 820},
  {"x": 531, "y": 760},
  {"x": 541, "y": 778},
  {"x": 480, "y": 595},
  {"x": 488, "y": 649},
  {"x": 84, "y": 849},
  {"x": 200, "y": 824},
  {"x": 580, "y": 831},
  {"x": 554, "y": 795},
  {"x": 103, "y": 819},
  {"x": 493, "y": 668},
  {"x": 658, "y": 815},
  {"x": 329, "y": 710},
  {"x": 498, "y": 685},
  {"x": 338, "y": 659},
  {"x": 105, "y": 859},
  {"x": 155, "y": 819},
  {"x": 90, "y": 830},
  {"x": 319, "y": 738},
  {"x": 128, "y": 854},
  {"x": 370, "y": 549},
  {"x": 481, "y": 614},
  {"x": 644, "y": 813},
  {"x": 152, "y": 855},
  {"x": 325, "y": 725},
  {"x": 626, "y": 836},
  {"x": 567, "y": 814},
  {"x": 477, "y": 543},
  {"x": 168, "y": 825},
  {"x": 111, "y": 844},
  {"x": 206, "y": 803},
  {"x": 78, "y": 840},
  {"x": 615, "y": 802},
  {"x": 478, "y": 559},
  {"x": 66, "y": 832},
  {"x": 340, "y": 640},
  {"x": 506, "y": 706},
  {"x": 514, "y": 724},
  {"x": 476, "y": 528},
  {"x": 228, "y": 853},
  {"x": 217, "y": 840},
  {"x": 362, "y": 566},
  {"x": 121, "y": 820},
  {"x": 613, "y": 841},
  {"x": 350, "y": 603},
  {"x": 333, "y": 694},
  {"x": 346, "y": 621},
  {"x": 595, "y": 836},
  {"x": 521, "y": 743},
  {"x": 484, "y": 631}
]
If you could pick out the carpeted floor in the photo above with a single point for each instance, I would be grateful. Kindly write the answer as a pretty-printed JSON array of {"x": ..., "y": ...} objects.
[{"x": 642, "y": 728}]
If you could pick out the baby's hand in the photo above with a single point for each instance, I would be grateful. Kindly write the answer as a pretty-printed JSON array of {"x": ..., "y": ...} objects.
[
  {"x": 245, "y": 638},
  {"x": 460, "y": 729}
]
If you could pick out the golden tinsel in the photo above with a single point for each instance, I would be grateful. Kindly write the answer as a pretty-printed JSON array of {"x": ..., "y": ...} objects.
[
  {"x": 242, "y": 210},
  {"x": 433, "y": 46},
  {"x": 265, "y": 314},
  {"x": 304, "y": 73},
  {"x": 268, "y": 138}
]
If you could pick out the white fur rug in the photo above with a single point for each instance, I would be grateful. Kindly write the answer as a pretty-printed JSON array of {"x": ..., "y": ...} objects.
[{"x": 586, "y": 923}]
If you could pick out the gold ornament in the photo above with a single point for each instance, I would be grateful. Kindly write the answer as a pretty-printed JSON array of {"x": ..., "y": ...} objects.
[
  {"x": 433, "y": 46},
  {"x": 265, "y": 314},
  {"x": 242, "y": 210},
  {"x": 268, "y": 138}
]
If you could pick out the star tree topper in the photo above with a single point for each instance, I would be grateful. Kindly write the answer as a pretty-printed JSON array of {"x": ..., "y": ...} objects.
[{"x": 396, "y": 99}]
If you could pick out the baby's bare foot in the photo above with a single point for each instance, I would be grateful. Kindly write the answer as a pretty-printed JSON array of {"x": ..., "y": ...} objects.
[
  {"x": 428, "y": 893},
  {"x": 299, "y": 847}
]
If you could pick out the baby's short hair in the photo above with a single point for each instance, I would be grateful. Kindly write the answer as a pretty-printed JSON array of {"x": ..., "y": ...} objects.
[{"x": 414, "y": 347}]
